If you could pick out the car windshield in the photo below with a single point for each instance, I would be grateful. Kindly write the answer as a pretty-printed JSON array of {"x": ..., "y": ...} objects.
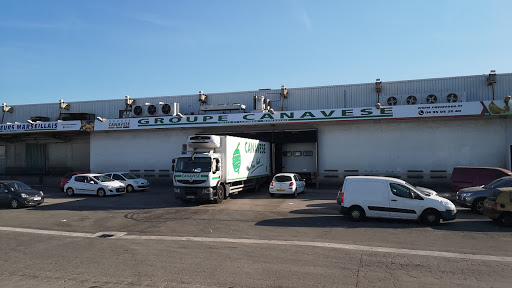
[
  {"x": 495, "y": 184},
  {"x": 198, "y": 164},
  {"x": 282, "y": 178},
  {"x": 102, "y": 178},
  {"x": 17, "y": 186},
  {"x": 129, "y": 176}
]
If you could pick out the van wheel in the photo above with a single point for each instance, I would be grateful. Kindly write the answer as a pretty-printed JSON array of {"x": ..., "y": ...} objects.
[
  {"x": 505, "y": 219},
  {"x": 356, "y": 214},
  {"x": 431, "y": 217},
  {"x": 478, "y": 205}
]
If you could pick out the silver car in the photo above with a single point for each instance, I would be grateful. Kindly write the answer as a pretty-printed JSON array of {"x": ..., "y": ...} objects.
[{"x": 474, "y": 197}]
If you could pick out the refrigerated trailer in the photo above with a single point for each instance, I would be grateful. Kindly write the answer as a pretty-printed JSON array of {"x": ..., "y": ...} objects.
[{"x": 215, "y": 167}]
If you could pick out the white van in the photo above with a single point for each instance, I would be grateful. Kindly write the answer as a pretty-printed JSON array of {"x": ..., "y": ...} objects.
[{"x": 385, "y": 197}]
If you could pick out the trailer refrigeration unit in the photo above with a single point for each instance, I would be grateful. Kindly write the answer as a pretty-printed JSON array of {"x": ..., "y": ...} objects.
[{"x": 215, "y": 167}]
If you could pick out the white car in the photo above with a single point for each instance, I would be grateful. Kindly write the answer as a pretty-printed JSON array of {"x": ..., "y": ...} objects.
[
  {"x": 95, "y": 184},
  {"x": 287, "y": 183},
  {"x": 132, "y": 182}
]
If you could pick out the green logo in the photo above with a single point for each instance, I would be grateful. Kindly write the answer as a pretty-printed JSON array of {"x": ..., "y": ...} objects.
[{"x": 237, "y": 159}]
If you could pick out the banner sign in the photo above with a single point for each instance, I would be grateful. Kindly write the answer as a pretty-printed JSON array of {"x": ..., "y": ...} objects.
[
  {"x": 457, "y": 109},
  {"x": 76, "y": 125},
  {"x": 322, "y": 115}
]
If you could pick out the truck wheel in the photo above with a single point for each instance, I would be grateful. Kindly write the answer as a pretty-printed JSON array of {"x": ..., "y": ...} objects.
[
  {"x": 220, "y": 194},
  {"x": 356, "y": 213},
  {"x": 478, "y": 205},
  {"x": 431, "y": 217}
]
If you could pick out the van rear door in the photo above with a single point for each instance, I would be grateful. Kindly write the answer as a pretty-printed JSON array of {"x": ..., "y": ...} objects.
[
  {"x": 403, "y": 202},
  {"x": 372, "y": 195}
]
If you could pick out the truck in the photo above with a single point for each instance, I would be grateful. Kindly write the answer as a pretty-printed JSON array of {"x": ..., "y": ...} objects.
[{"x": 215, "y": 167}]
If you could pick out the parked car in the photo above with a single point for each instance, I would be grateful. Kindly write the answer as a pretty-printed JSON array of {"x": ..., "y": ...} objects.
[
  {"x": 132, "y": 182},
  {"x": 474, "y": 197},
  {"x": 287, "y": 183},
  {"x": 17, "y": 194},
  {"x": 385, "y": 197},
  {"x": 463, "y": 177},
  {"x": 498, "y": 206},
  {"x": 66, "y": 178},
  {"x": 422, "y": 190},
  {"x": 95, "y": 184}
]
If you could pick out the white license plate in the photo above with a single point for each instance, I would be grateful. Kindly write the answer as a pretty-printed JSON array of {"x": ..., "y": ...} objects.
[
  {"x": 37, "y": 198},
  {"x": 280, "y": 190}
]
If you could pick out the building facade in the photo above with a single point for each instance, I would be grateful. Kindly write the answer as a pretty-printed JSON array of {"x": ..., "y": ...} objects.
[{"x": 417, "y": 130}]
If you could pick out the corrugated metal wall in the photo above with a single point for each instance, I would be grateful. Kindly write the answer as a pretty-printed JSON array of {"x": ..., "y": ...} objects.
[{"x": 469, "y": 88}]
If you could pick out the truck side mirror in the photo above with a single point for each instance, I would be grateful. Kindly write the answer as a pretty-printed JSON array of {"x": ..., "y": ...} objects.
[{"x": 172, "y": 166}]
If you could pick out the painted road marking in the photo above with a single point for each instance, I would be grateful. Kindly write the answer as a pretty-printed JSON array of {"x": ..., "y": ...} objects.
[{"x": 123, "y": 235}]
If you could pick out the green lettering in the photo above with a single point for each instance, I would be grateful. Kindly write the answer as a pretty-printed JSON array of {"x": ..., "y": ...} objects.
[
  {"x": 143, "y": 121},
  {"x": 189, "y": 120},
  {"x": 307, "y": 114},
  {"x": 386, "y": 111},
  {"x": 327, "y": 115},
  {"x": 287, "y": 115},
  {"x": 246, "y": 116},
  {"x": 366, "y": 111},
  {"x": 266, "y": 115},
  {"x": 207, "y": 118},
  {"x": 347, "y": 112},
  {"x": 223, "y": 118},
  {"x": 159, "y": 120}
]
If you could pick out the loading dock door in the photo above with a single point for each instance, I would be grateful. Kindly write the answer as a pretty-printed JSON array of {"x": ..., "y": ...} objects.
[
  {"x": 299, "y": 157},
  {"x": 35, "y": 160}
]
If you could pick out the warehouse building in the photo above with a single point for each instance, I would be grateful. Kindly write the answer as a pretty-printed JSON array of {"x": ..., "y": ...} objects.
[{"x": 417, "y": 130}]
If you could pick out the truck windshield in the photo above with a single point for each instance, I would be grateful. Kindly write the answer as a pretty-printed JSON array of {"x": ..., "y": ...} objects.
[{"x": 188, "y": 165}]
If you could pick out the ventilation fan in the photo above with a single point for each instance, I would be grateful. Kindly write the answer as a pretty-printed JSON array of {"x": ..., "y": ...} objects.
[
  {"x": 431, "y": 99},
  {"x": 166, "y": 109},
  {"x": 151, "y": 109},
  {"x": 452, "y": 97},
  {"x": 411, "y": 100},
  {"x": 392, "y": 101},
  {"x": 137, "y": 110}
]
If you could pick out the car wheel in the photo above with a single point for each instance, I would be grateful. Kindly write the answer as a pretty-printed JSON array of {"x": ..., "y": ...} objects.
[
  {"x": 129, "y": 189},
  {"x": 295, "y": 193},
  {"x": 272, "y": 195},
  {"x": 356, "y": 213},
  {"x": 101, "y": 192},
  {"x": 15, "y": 204},
  {"x": 505, "y": 219},
  {"x": 220, "y": 194},
  {"x": 478, "y": 205},
  {"x": 431, "y": 217},
  {"x": 304, "y": 190},
  {"x": 70, "y": 192}
]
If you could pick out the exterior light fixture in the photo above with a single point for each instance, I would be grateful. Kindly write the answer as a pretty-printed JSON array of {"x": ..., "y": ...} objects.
[
  {"x": 180, "y": 115},
  {"x": 6, "y": 108},
  {"x": 202, "y": 97},
  {"x": 101, "y": 119},
  {"x": 491, "y": 78},
  {"x": 31, "y": 122},
  {"x": 284, "y": 91},
  {"x": 128, "y": 101},
  {"x": 378, "y": 89},
  {"x": 63, "y": 105}
]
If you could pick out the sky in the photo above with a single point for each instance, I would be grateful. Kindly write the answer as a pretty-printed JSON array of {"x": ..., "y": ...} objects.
[{"x": 95, "y": 49}]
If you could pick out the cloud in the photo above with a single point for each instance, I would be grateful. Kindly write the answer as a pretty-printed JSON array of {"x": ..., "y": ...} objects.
[{"x": 301, "y": 14}]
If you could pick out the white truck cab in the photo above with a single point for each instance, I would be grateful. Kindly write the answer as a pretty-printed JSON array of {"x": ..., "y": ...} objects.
[{"x": 385, "y": 197}]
